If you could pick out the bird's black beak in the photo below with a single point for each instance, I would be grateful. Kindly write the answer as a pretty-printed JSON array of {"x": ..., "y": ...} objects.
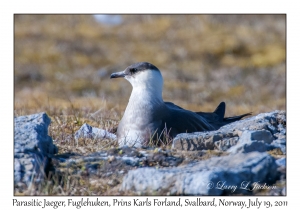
[{"x": 118, "y": 74}]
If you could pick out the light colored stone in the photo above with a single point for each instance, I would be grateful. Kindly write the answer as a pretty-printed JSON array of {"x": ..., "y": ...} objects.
[
  {"x": 205, "y": 177},
  {"x": 262, "y": 129},
  {"x": 281, "y": 144},
  {"x": 32, "y": 147},
  {"x": 250, "y": 146},
  {"x": 281, "y": 162},
  {"x": 87, "y": 131},
  {"x": 258, "y": 135}
]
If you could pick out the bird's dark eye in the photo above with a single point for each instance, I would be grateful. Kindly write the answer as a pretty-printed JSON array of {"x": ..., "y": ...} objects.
[{"x": 133, "y": 70}]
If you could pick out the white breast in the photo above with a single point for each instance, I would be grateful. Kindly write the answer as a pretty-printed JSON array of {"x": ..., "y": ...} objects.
[{"x": 140, "y": 121}]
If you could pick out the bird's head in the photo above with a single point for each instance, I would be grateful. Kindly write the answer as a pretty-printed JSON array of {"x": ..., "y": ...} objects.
[{"x": 142, "y": 75}]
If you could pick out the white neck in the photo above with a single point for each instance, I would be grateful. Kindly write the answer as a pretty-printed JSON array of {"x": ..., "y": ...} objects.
[
  {"x": 146, "y": 95},
  {"x": 147, "y": 86}
]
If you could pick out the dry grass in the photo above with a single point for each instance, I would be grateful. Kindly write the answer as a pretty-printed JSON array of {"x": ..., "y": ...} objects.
[{"x": 64, "y": 61}]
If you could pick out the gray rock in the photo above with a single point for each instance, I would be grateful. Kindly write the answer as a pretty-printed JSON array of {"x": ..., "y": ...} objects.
[
  {"x": 252, "y": 146},
  {"x": 259, "y": 135},
  {"x": 227, "y": 175},
  {"x": 31, "y": 132},
  {"x": 112, "y": 161},
  {"x": 131, "y": 160},
  {"x": 162, "y": 171},
  {"x": 250, "y": 141},
  {"x": 281, "y": 162},
  {"x": 264, "y": 121},
  {"x": 283, "y": 191},
  {"x": 32, "y": 147},
  {"x": 281, "y": 144},
  {"x": 198, "y": 141},
  {"x": 87, "y": 131},
  {"x": 226, "y": 143},
  {"x": 263, "y": 128}
]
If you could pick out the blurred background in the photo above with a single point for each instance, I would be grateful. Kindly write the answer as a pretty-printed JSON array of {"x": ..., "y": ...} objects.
[{"x": 63, "y": 62}]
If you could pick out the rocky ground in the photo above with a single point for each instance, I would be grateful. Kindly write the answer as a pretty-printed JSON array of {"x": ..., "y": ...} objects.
[{"x": 247, "y": 157}]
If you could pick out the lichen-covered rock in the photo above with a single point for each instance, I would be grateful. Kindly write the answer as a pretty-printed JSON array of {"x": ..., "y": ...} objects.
[
  {"x": 217, "y": 176},
  {"x": 281, "y": 162},
  {"x": 113, "y": 160},
  {"x": 259, "y": 135},
  {"x": 32, "y": 147},
  {"x": 264, "y": 132},
  {"x": 281, "y": 144},
  {"x": 250, "y": 146},
  {"x": 223, "y": 162},
  {"x": 250, "y": 141},
  {"x": 87, "y": 131}
]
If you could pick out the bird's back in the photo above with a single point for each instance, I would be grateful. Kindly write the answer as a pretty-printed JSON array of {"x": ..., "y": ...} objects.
[{"x": 180, "y": 120}]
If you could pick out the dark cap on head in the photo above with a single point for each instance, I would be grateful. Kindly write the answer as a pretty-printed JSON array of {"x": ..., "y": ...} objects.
[
  {"x": 142, "y": 66},
  {"x": 135, "y": 68}
]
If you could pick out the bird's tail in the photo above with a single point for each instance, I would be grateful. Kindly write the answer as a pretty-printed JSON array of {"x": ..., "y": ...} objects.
[
  {"x": 220, "y": 111},
  {"x": 235, "y": 118}
]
